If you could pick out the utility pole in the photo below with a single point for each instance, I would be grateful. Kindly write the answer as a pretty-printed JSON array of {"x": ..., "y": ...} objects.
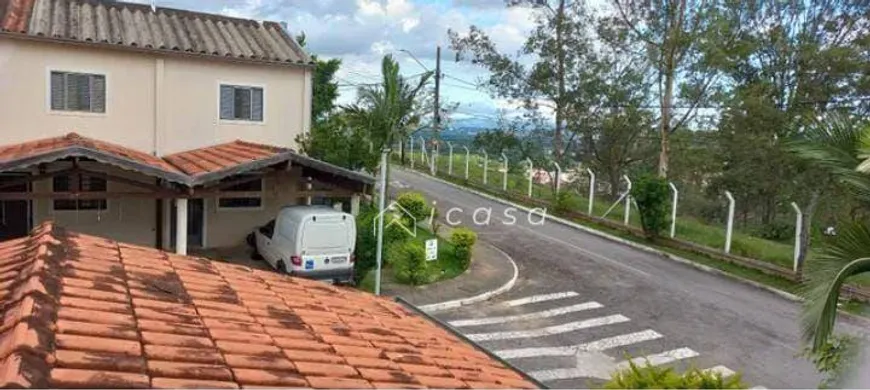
[{"x": 437, "y": 91}]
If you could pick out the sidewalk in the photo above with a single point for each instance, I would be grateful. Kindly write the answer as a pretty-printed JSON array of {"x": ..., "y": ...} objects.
[{"x": 490, "y": 270}]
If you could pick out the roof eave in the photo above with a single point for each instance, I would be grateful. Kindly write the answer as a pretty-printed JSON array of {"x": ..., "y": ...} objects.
[
  {"x": 106, "y": 158},
  {"x": 154, "y": 51}
]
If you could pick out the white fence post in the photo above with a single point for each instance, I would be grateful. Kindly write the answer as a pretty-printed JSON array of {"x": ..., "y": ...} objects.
[
  {"x": 591, "y": 189},
  {"x": 422, "y": 150},
  {"x": 450, "y": 162},
  {"x": 504, "y": 175},
  {"x": 558, "y": 176},
  {"x": 729, "y": 229},
  {"x": 433, "y": 167},
  {"x": 411, "y": 151},
  {"x": 674, "y": 208},
  {"x": 627, "y": 199},
  {"x": 798, "y": 227},
  {"x": 531, "y": 175},
  {"x": 467, "y": 158},
  {"x": 485, "y": 165}
]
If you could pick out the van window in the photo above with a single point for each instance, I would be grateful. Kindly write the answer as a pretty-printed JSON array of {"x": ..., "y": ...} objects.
[{"x": 326, "y": 235}]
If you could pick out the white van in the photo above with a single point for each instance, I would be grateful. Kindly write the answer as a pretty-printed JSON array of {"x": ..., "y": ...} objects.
[{"x": 310, "y": 241}]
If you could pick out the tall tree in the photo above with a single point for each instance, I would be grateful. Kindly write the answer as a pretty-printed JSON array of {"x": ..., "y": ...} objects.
[
  {"x": 391, "y": 109},
  {"x": 556, "y": 49},
  {"x": 672, "y": 32}
]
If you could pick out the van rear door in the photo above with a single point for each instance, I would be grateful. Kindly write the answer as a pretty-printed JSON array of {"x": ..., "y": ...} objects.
[{"x": 327, "y": 242}]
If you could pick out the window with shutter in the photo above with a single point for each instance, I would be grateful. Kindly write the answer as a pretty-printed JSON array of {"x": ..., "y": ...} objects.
[
  {"x": 82, "y": 92},
  {"x": 241, "y": 103}
]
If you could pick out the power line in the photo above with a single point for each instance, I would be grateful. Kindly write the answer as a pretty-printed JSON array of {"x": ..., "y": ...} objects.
[{"x": 476, "y": 85}]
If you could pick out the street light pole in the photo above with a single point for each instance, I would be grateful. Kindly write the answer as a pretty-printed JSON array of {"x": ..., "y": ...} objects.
[{"x": 381, "y": 204}]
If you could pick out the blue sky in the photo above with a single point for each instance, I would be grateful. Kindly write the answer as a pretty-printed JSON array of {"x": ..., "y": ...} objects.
[{"x": 360, "y": 32}]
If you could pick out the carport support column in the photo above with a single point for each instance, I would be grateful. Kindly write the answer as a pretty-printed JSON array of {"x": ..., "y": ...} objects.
[
  {"x": 354, "y": 205},
  {"x": 181, "y": 226}
]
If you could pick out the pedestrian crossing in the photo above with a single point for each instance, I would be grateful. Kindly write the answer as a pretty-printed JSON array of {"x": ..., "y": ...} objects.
[{"x": 531, "y": 332}]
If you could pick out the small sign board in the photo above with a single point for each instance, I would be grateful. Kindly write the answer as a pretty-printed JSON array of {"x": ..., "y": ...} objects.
[{"x": 432, "y": 249}]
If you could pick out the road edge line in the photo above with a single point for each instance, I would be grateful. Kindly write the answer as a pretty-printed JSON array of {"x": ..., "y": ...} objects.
[
  {"x": 678, "y": 259},
  {"x": 440, "y": 306}
]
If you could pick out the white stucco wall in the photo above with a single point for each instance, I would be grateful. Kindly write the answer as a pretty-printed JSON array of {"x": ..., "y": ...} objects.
[{"x": 155, "y": 104}]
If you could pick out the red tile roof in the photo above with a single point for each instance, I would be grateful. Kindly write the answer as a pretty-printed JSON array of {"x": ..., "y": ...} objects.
[
  {"x": 190, "y": 168},
  {"x": 47, "y": 146},
  {"x": 82, "y": 311},
  {"x": 220, "y": 157}
]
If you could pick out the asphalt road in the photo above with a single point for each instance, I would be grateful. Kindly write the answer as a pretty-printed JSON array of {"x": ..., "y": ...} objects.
[{"x": 583, "y": 304}]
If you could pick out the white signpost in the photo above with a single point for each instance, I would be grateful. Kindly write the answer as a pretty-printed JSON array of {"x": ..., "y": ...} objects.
[{"x": 432, "y": 249}]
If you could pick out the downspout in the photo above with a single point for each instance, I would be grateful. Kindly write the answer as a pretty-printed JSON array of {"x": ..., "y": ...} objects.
[
  {"x": 462, "y": 337},
  {"x": 159, "y": 126},
  {"x": 307, "y": 96}
]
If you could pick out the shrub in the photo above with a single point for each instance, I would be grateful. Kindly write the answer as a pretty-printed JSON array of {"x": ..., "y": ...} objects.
[
  {"x": 463, "y": 239},
  {"x": 653, "y": 377},
  {"x": 409, "y": 262},
  {"x": 837, "y": 359},
  {"x": 652, "y": 194},
  {"x": 564, "y": 202},
  {"x": 774, "y": 231},
  {"x": 414, "y": 203},
  {"x": 366, "y": 241}
]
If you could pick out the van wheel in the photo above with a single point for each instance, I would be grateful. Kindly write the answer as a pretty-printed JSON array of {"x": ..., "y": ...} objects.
[
  {"x": 282, "y": 268},
  {"x": 251, "y": 240},
  {"x": 256, "y": 255}
]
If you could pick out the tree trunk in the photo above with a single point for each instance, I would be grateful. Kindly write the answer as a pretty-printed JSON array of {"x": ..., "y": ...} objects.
[
  {"x": 613, "y": 176},
  {"x": 402, "y": 152},
  {"x": 806, "y": 230},
  {"x": 557, "y": 134},
  {"x": 667, "y": 102}
]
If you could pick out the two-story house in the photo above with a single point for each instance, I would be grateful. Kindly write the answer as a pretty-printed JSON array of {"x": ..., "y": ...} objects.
[{"x": 151, "y": 125}]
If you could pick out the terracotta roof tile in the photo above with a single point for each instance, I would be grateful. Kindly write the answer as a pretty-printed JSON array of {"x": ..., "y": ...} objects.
[
  {"x": 79, "y": 311},
  {"x": 72, "y": 140},
  {"x": 221, "y": 157}
]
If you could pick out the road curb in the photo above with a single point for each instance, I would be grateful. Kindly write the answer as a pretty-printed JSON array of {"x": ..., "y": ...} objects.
[
  {"x": 702, "y": 267},
  {"x": 435, "y": 307}
]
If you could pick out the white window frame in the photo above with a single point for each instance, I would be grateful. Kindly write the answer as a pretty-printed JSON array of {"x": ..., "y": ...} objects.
[
  {"x": 243, "y": 194},
  {"x": 78, "y": 210},
  {"x": 98, "y": 72},
  {"x": 242, "y": 85}
]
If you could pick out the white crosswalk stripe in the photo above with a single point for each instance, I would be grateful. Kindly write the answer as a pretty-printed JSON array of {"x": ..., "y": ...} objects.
[
  {"x": 528, "y": 316},
  {"x": 722, "y": 370},
  {"x": 594, "y": 346},
  {"x": 659, "y": 358},
  {"x": 550, "y": 330},
  {"x": 591, "y": 360},
  {"x": 603, "y": 369},
  {"x": 540, "y": 298}
]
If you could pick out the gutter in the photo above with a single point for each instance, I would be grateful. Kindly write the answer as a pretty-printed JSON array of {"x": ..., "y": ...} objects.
[{"x": 462, "y": 337}]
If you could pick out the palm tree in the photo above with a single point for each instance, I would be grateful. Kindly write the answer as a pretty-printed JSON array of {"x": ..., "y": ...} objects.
[
  {"x": 389, "y": 109},
  {"x": 839, "y": 146}
]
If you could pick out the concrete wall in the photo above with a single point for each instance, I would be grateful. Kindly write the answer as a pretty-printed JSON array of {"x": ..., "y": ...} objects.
[
  {"x": 132, "y": 220},
  {"x": 156, "y": 104}
]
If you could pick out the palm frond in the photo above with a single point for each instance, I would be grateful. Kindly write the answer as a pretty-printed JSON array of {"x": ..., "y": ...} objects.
[{"x": 845, "y": 256}]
